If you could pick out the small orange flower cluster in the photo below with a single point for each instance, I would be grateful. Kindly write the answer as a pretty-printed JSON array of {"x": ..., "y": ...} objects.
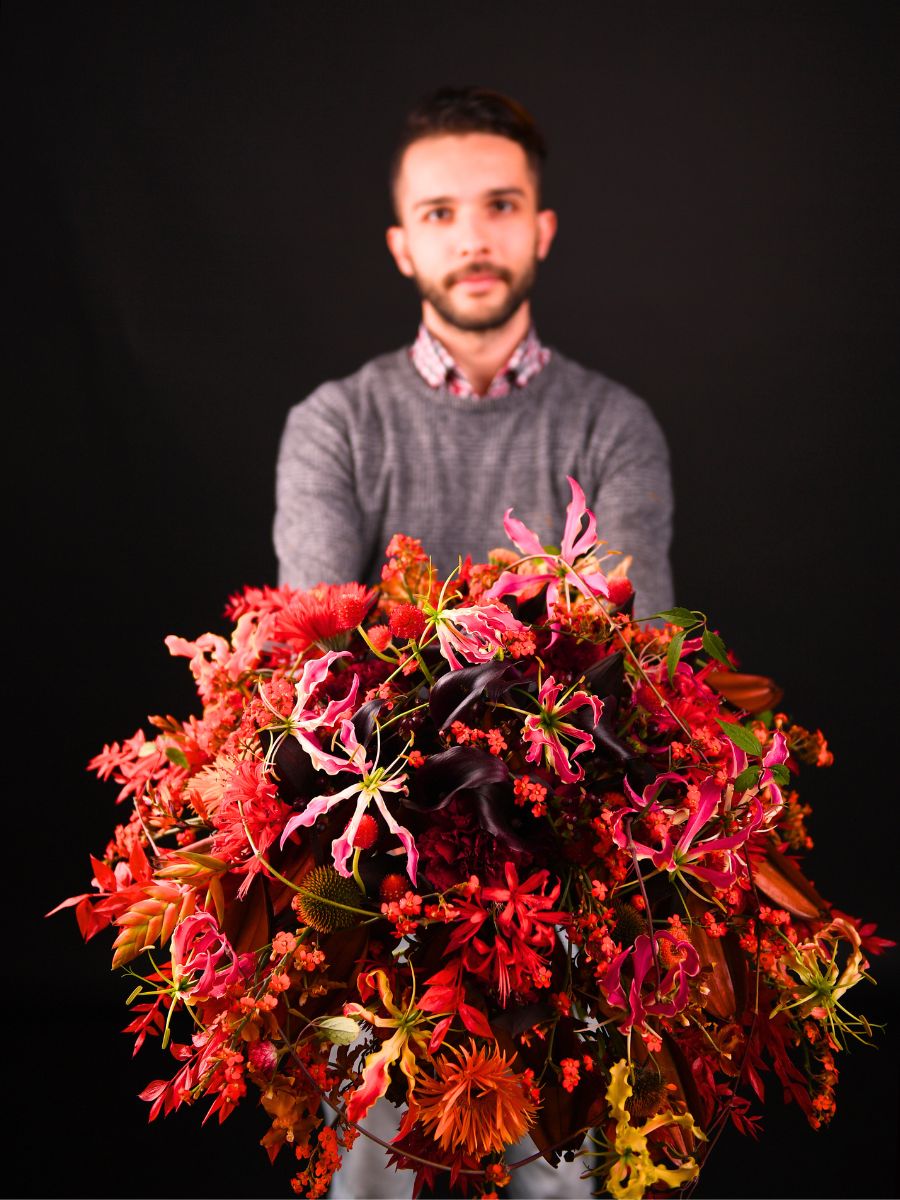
[
  {"x": 315, "y": 1179},
  {"x": 403, "y": 913},
  {"x": 465, "y": 735},
  {"x": 527, "y": 791},
  {"x": 571, "y": 1075}
]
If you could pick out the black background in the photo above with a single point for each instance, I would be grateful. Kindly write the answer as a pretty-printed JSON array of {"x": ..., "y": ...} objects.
[{"x": 197, "y": 242}]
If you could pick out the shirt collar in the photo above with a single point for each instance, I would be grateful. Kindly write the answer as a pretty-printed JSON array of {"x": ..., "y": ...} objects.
[{"x": 435, "y": 364}]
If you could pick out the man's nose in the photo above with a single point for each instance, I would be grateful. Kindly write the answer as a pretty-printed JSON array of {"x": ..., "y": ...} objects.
[{"x": 473, "y": 238}]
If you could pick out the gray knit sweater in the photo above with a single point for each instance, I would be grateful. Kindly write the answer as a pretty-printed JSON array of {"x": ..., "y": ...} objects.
[{"x": 381, "y": 453}]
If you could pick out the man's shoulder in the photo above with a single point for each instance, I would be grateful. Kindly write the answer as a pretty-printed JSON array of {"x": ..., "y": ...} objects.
[
  {"x": 386, "y": 371},
  {"x": 596, "y": 391}
]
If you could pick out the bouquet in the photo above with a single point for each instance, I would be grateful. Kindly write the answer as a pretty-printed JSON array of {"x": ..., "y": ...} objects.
[{"x": 486, "y": 848}]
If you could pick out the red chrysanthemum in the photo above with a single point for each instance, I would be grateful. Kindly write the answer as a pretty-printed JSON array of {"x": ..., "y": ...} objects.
[
  {"x": 322, "y": 616},
  {"x": 249, "y": 804},
  {"x": 477, "y": 1104}
]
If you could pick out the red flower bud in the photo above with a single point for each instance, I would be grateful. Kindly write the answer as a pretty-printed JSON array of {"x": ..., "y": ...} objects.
[
  {"x": 351, "y": 608},
  {"x": 393, "y": 888},
  {"x": 407, "y": 621},
  {"x": 366, "y": 833},
  {"x": 263, "y": 1057},
  {"x": 620, "y": 590},
  {"x": 379, "y": 636}
]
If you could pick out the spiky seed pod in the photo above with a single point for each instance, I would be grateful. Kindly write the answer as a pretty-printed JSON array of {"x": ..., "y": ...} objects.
[
  {"x": 321, "y": 885},
  {"x": 629, "y": 924},
  {"x": 647, "y": 1094}
]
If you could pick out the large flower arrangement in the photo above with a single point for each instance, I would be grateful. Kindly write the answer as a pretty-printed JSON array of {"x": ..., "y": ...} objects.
[{"x": 491, "y": 848}]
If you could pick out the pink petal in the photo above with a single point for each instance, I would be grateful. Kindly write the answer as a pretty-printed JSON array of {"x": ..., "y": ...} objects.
[
  {"x": 313, "y": 810},
  {"x": 512, "y": 584},
  {"x": 342, "y": 847},
  {"x": 520, "y": 535},
  {"x": 573, "y": 546},
  {"x": 337, "y": 708},
  {"x": 406, "y": 838}
]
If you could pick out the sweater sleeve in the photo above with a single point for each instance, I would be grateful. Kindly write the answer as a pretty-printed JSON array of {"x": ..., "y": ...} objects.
[
  {"x": 318, "y": 536},
  {"x": 633, "y": 501}
]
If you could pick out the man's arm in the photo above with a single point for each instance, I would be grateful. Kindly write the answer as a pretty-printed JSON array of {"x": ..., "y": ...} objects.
[
  {"x": 633, "y": 502},
  {"x": 318, "y": 531}
]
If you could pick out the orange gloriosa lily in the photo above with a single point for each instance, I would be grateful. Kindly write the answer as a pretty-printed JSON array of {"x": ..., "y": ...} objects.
[{"x": 410, "y": 1033}]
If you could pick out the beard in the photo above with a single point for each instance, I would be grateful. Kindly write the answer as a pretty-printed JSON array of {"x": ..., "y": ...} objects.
[{"x": 439, "y": 296}]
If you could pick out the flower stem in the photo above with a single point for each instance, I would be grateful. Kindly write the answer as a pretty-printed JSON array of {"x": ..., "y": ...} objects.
[{"x": 356, "y": 874}]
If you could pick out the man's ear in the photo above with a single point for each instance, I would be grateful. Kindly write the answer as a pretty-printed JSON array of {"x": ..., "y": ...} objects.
[
  {"x": 396, "y": 243},
  {"x": 546, "y": 221}
]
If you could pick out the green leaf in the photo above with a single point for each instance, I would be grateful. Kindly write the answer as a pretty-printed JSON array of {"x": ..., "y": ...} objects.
[
  {"x": 747, "y": 779},
  {"x": 673, "y": 654},
  {"x": 178, "y": 757},
  {"x": 685, "y": 618},
  {"x": 781, "y": 774},
  {"x": 744, "y": 739},
  {"x": 340, "y": 1031},
  {"x": 715, "y": 647}
]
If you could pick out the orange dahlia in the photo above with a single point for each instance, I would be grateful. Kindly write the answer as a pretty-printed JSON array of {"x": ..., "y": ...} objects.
[{"x": 477, "y": 1103}]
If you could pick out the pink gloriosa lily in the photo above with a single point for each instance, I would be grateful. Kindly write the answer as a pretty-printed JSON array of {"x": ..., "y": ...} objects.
[
  {"x": 776, "y": 755},
  {"x": 671, "y": 991},
  {"x": 199, "y": 946},
  {"x": 474, "y": 633},
  {"x": 374, "y": 781},
  {"x": 545, "y": 731},
  {"x": 686, "y": 855},
  {"x": 303, "y": 721},
  {"x": 556, "y": 570}
]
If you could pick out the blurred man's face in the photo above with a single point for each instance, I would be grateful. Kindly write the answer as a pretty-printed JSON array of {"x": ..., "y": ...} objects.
[{"x": 470, "y": 233}]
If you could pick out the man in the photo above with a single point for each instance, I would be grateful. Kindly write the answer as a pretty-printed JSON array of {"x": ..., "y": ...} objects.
[{"x": 437, "y": 440}]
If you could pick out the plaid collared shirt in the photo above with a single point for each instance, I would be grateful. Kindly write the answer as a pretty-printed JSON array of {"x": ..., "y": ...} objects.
[{"x": 436, "y": 366}]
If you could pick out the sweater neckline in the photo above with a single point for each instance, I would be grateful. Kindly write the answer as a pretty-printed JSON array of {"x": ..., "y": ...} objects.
[{"x": 442, "y": 399}]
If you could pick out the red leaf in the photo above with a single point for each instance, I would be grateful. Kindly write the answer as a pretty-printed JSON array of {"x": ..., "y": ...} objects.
[
  {"x": 88, "y": 921},
  {"x": 105, "y": 875},
  {"x": 439, "y": 999},
  {"x": 247, "y": 922},
  {"x": 783, "y": 881},
  {"x": 440, "y": 1032},
  {"x": 475, "y": 1021},
  {"x": 68, "y": 903},
  {"x": 138, "y": 864}
]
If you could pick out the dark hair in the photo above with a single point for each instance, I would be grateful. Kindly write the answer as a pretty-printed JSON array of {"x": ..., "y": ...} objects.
[{"x": 471, "y": 110}]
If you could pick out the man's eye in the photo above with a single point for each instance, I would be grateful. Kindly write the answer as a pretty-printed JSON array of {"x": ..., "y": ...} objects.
[
  {"x": 502, "y": 205},
  {"x": 437, "y": 214}
]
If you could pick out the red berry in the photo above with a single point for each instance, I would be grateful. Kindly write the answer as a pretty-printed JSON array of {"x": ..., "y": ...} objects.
[
  {"x": 393, "y": 888},
  {"x": 407, "y": 621},
  {"x": 620, "y": 590},
  {"x": 366, "y": 833}
]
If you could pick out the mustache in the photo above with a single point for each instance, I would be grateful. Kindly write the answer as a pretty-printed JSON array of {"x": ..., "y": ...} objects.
[{"x": 477, "y": 268}]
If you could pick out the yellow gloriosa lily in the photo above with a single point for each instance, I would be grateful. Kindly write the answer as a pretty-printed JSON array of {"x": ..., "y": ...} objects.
[{"x": 631, "y": 1172}]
